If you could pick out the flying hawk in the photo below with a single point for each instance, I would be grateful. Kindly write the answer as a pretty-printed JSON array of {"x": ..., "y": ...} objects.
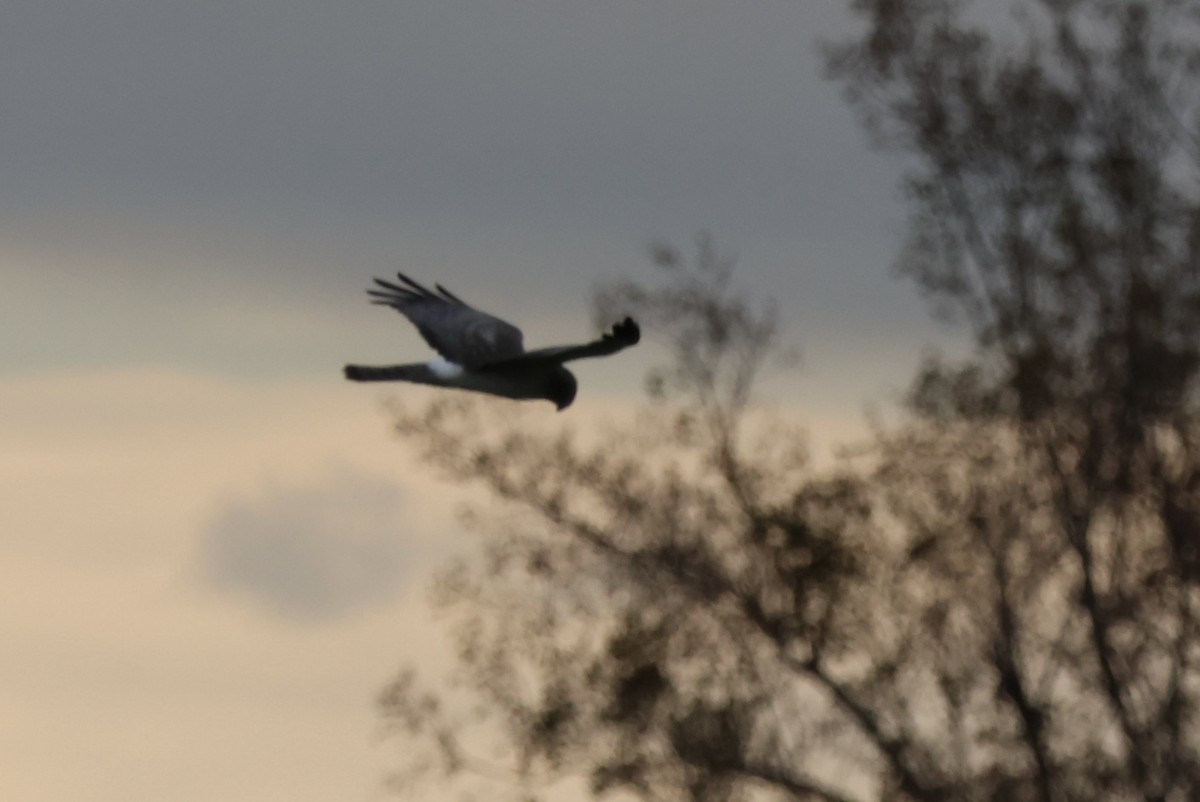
[{"x": 480, "y": 352}]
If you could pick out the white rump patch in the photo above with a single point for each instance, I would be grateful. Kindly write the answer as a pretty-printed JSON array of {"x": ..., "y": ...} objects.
[{"x": 444, "y": 369}]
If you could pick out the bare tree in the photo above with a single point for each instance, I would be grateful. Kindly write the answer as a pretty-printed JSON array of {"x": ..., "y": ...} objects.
[
  {"x": 1056, "y": 211},
  {"x": 1001, "y": 602}
]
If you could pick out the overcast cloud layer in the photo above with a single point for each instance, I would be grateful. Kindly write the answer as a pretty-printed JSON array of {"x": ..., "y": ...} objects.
[{"x": 627, "y": 114}]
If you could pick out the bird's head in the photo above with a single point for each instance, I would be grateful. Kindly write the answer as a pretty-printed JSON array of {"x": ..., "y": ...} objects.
[{"x": 562, "y": 387}]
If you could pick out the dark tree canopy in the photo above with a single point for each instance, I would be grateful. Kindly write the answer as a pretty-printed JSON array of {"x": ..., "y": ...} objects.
[{"x": 999, "y": 600}]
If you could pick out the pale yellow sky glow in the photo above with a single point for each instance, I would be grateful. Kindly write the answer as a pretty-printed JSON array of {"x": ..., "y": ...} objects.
[{"x": 129, "y": 674}]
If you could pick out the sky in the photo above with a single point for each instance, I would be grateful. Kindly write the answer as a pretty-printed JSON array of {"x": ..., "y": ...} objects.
[{"x": 214, "y": 550}]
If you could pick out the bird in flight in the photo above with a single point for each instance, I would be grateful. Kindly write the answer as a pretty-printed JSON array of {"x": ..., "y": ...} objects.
[{"x": 480, "y": 352}]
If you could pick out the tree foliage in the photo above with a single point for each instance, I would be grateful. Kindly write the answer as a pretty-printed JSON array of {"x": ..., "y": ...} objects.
[{"x": 1002, "y": 602}]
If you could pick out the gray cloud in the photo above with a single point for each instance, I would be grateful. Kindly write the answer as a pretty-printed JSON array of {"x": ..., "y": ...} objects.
[
  {"x": 312, "y": 552},
  {"x": 627, "y": 118},
  {"x": 702, "y": 112}
]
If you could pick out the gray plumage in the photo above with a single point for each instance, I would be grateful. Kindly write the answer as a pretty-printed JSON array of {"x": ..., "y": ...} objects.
[
  {"x": 481, "y": 352},
  {"x": 460, "y": 333}
]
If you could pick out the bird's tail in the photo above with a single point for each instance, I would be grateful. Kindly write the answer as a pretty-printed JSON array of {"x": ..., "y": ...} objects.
[{"x": 388, "y": 373}]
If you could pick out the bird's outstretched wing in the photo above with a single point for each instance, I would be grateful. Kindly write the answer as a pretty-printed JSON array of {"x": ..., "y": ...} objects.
[
  {"x": 623, "y": 335},
  {"x": 459, "y": 332}
]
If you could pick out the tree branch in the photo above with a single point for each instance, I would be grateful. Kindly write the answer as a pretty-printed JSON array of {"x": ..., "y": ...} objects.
[
  {"x": 892, "y": 748},
  {"x": 1075, "y": 520},
  {"x": 1013, "y": 686},
  {"x": 803, "y": 790}
]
